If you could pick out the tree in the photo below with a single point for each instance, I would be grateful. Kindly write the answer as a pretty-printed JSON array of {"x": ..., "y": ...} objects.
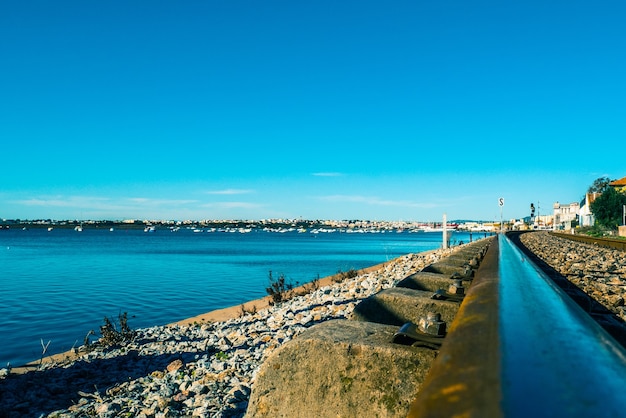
[
  {"x": 600, "y": 185},
  {"x": 607, "y": 208}
]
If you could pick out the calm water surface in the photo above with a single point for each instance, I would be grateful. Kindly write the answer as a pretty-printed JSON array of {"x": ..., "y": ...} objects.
[{"x": 57, "y": 285}]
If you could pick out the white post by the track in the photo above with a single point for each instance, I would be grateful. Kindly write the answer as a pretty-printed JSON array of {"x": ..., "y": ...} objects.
[{"x": 445, "y": 232}]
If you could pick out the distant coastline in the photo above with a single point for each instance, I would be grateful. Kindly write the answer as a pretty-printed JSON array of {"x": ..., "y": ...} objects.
[{"x": 272, "y": 225}]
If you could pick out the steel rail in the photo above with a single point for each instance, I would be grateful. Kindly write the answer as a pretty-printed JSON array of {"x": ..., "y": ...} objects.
[
  {"x": 614, "y": 243},
  {"x": 520, "y": 347}
]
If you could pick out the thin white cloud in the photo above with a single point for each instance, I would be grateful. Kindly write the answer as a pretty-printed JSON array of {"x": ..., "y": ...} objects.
[
  {"x": 327, "y": 174},
  {"x": 233, "y": 205},
  {"x": 139, "y": 199},
  {"x": 230, "y": 191},
  {"x": 375, "y": 201},
  {"x": 102, "y": 204},
  {"x": 42, "y": 202},
  {"x": 160, "y": 202},
  {"x": 61, "y": 201}
]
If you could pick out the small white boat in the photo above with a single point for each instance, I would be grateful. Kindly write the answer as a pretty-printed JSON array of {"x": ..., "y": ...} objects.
[{"x": 429, "y": 229}]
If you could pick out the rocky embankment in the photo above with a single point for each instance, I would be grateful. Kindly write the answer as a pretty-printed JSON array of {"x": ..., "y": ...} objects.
[
  {"x": 599, "y": 272},
  {"x": 204, "y": 370}
]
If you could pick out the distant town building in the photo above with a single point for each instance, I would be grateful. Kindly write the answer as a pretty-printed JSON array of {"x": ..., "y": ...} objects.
[
  {"x": 565, "y": 214},
  {"x": 586, "y": 217}
]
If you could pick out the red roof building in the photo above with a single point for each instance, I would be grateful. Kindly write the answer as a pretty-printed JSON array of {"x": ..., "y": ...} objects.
[{"x": 619, "y": 185}]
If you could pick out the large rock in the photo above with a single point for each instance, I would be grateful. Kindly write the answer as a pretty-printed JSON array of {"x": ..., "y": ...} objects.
[{"x": 340, "y": 368}]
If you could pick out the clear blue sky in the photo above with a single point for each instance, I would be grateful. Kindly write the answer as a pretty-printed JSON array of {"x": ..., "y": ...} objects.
[{"x": 380, "y": 110}]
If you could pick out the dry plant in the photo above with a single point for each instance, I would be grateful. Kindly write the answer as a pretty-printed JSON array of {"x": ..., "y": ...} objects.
[
  {"x": 343, "y": 275},
  {"x": 111, "y": 336},
  {"x": 279, "y": 289},
  {"x": 44, "y": 350},
  {"x": 245, "y": 311}
]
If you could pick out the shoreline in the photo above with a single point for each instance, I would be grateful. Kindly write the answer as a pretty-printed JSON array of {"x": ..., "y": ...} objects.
[
  {"x": 216, "y": 315},
  {"x": 196, "y": 367},
  {"x": 231, "y": 312}
]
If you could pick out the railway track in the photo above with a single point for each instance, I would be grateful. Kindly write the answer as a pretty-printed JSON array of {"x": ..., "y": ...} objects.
[
  {"x": 615, "y": 243},
  {"x": 521, "y": 346},
  {"x": 489, "y": 331},
  {"x": 611, "y": 322}
]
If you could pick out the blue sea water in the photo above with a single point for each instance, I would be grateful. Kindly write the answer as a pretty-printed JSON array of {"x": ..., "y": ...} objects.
[{"x": 57, "y": 285}]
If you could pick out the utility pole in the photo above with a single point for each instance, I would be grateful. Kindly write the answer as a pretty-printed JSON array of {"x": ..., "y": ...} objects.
[
  {"x": 538, "y": 216},
  {"x": 501, "y": 203}
]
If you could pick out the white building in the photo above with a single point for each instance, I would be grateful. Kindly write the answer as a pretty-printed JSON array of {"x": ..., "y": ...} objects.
[
  {"x": 565, "y": 214},
  {"x": 586, "y": 216}
]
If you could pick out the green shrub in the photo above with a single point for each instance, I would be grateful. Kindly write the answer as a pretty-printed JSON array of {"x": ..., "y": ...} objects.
[{"x": 594, "y": 231}]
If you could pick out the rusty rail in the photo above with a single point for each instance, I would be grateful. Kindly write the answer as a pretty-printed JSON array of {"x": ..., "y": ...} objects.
[
  {"x": 614, "y": 243},
  {"x": 520, "y": 347}
]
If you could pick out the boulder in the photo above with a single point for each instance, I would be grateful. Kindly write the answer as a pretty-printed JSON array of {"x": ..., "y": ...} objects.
[{"x": 340, "y": 368}]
